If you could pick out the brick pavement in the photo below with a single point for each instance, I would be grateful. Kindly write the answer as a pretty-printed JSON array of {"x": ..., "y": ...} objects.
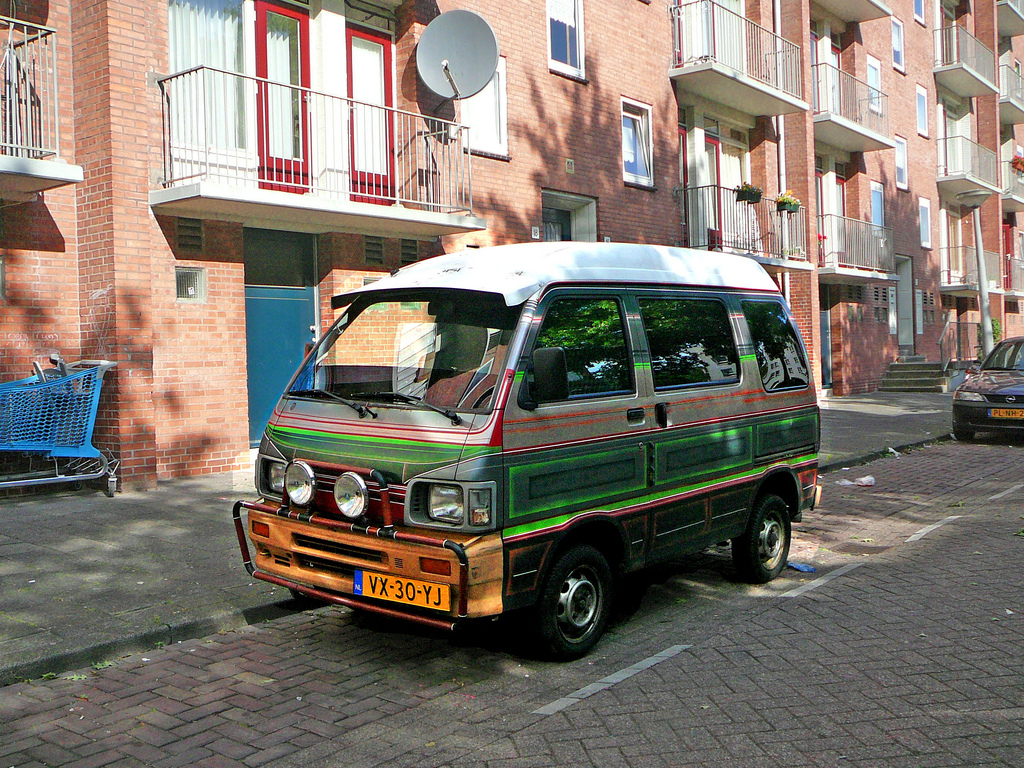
[{"x": 911, "y": 659}]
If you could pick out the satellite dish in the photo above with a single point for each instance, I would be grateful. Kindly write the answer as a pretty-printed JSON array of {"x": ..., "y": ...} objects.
[{"x": 457, "y": 54}]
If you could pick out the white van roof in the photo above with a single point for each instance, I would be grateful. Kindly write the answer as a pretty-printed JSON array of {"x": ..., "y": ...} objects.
[{"x": 519, "y": 271}]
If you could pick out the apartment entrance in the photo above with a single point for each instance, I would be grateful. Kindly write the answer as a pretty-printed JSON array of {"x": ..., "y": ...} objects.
[
  {"x": 280, "y": 315},
  {"x": 905, "y": 304}
]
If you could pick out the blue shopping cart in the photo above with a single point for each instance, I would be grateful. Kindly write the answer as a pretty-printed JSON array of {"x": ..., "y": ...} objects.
[{"x": 49, "y": 417}]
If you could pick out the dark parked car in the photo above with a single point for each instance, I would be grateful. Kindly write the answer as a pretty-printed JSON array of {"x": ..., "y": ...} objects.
[{"x": 992, "y": 396}]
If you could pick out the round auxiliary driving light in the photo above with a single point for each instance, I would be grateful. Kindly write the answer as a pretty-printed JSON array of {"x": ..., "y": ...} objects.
[
  {"x": 299, "y": 482},
  {"x": 351, "y": 495}
]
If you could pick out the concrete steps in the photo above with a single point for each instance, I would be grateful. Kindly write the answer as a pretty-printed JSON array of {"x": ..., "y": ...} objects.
[{"x": 915, "y": 374}]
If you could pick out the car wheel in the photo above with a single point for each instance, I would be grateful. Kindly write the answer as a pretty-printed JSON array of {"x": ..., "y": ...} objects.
[
  {"x": 761, "y": 552},
  {"x": 575, "y": 602},
  {"x": 963, "y": 434}
]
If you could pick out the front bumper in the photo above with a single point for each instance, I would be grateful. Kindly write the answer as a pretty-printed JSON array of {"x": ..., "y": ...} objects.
[
  {"x": 318, "y": 556},
  {"x": 979, "y": 416}
]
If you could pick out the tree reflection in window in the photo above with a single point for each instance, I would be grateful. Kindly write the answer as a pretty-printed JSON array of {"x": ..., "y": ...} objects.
[
  {"x": 690, "y": 342},
  {"x": 591, "y": 333},
  {"x": 780, "y": 356}
]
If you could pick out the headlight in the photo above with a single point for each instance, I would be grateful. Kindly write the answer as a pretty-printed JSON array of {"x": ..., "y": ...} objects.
[
  {"x": 299, "y": 482},
  {"x": 445, "y": 504},
  {"x": 962, "y": 394},
  {"x": 273, "y": 471},
  {"x": 351, "y": 495}
]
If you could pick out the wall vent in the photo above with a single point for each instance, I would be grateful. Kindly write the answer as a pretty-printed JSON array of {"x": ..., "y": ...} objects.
[
  {"x": 373, "y": 250},
  {"x": 189, "y": 234},
  {"x": 410, "y": 251}
]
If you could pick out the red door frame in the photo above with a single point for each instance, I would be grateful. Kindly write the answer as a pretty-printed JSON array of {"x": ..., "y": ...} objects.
[
  {"x": 289, "y": 174},
  {"x": 374, "y": 187},
  {"x": 715, "y": 235}
]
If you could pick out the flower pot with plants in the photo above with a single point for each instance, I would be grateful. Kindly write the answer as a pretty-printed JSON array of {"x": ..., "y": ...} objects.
[
  {"x": 1017, "y": 163},
  {"x": 787, "y": 202},
  {"x": 748, "y": 193}
]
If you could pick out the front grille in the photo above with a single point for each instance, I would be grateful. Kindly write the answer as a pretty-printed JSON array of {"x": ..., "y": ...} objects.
[
  {"x": 324, "y": 566},
  {"x": 1018, "y": 400},
  {"x": 334, "y": 548}
]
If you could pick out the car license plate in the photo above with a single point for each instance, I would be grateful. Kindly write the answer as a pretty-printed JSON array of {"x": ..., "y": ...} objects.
[
  {"x": 408, "y": 591},
  {"x": 1006, "y": 413}
]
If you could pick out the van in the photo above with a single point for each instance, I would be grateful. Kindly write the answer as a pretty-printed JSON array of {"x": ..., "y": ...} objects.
[{"x": 521, "y": 428}]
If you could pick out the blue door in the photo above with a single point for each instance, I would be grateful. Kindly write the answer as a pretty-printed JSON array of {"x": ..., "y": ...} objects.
[{"x": 278, "y": 321}]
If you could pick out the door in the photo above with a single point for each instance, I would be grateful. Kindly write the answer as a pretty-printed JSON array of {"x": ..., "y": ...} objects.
[
  {"x": 280, "y": 315},
  {"x": 1007, "y": 256},
  {"x": 371, "y": 135},
  {"x": 905, "y": 303},
  {"x": 713, "y": 206},
  {"x": 282, "y": 95},
  {"x": 825, "y": 319}
]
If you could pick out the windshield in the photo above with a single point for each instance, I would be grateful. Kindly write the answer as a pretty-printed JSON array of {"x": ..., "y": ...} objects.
[
  {"x": 1008, "y": 356},
  {"x": 440, "y": 348}
]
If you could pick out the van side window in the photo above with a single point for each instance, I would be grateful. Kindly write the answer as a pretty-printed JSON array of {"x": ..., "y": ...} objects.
[
  {"x": 690, "y": 342},
  {"x": 780, "y": 356},
  {"x": 592, "y": 334}
]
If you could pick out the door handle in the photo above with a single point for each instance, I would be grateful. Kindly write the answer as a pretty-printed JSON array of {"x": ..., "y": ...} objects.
[
  {"x": 661, "y": 414},
  {"x": 634, "y": 415}
]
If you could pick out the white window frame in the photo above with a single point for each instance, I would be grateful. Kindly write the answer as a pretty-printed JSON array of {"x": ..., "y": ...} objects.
[
  {"x": 557, "y": 9},
  {"x": 924, "y": 214},
  {"x": 902, "y": 168},
  {"x": 641, "y": 114},
  {"x": 874, "y": 69},
  {"x": 488, "y": 108},
  {"x": 876, "y": 187},
  {"x": 899, "y": 51},
  {"x": 922, "y": 111},
  {"x": 919, "y": 12}
]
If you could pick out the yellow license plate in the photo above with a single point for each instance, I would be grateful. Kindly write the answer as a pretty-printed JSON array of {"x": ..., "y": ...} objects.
[
  {"x": 1007, "y": 413},
  {"x": 408, "y": 591}
]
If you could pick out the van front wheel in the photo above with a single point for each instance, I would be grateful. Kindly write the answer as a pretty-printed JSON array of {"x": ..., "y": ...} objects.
[
  {"x": 574, "y": 606},
  {"x": 762, "y": 551}
]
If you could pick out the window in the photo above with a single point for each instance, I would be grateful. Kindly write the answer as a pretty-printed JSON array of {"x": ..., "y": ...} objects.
[
  {"x": 591, "y": 333},
  {"x": 922, "y": 110},
  {"x": 486, "y": 115},
  {"x": 190, "y": 284},
  {"x": 874, "y": 84},
  {"x": 690, "y": 342},
  {"x": 924, "y": 207},
  {"x": 565, "y": 36},
  {"x": 636, "y": 144},
  {"x": 877, "y": 204},
  {"x": 780, "y": 357},
  {"x": 901, "y": 163},
  {"x": 897, "y": 45},
  {"x": 919, "y": 11}
]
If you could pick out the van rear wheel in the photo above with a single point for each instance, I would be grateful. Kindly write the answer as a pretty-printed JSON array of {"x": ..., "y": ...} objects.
[
  {"x": 574, "y": 605},
  {"x": 761, "y": 552}
]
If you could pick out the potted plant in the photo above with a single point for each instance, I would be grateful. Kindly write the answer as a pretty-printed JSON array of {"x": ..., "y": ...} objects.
[
  {"x": 787, "y": 201},
  {"x": 748, "y": 193},
  {"x": 1017, "y": 163}
]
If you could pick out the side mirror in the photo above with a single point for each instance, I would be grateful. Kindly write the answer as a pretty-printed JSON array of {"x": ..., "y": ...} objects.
[
  {"x": 550, "y": 375},
  {"x": 973, "y": 369}
]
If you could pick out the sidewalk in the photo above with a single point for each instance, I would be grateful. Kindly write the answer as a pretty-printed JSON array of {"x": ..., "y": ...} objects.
[{"x": 84, "y": 578}]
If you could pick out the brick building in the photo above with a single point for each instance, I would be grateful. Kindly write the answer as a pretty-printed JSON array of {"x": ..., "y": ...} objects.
[{"x": 186, "y": 183}]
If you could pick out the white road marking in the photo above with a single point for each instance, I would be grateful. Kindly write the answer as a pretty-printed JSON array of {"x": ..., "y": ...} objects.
[
  {"x": 929, "y": 528},
  {"x": 1007, "y": 492},
  {"x": 820, "y": 581},
  {"x": 616, "y": 677}
]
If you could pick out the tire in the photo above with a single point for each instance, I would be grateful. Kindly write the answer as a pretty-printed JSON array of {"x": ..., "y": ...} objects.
[
  {"x": 762, "y": 551},
  {"x": 574, "y": 605},
  {"x": 963, "y": 434}
]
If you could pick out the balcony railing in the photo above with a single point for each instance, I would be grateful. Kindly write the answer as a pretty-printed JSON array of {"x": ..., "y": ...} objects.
[
  {"x": 960, "y": 268},
  {"x": 715, "y": 220},
  {"x": 843, "y": 94},
  {"x": 959, "y": 156},
  {"x": 251, "y": 132},
  {"x": 1010, "y": 16},
  {"x": 1011, "y": 95},
  {"x": 956, "y": 46},
  {"x": 1013, "y": 182},
  {"x": 705, "y": 31},
  {"x": 28, "y": 94},
  {"x": 854, "y": 244},
  {"x": 1014, "y": 278}
]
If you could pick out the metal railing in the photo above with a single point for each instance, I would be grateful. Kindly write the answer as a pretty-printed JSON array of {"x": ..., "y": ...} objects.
[
  {"x": 28, "y": 91},
  {"x": 855, "y": 244},
  {"x": 960, "y": 267},
  {"x": 1011, "y": 85},
  {"x": 958, "y": 155},
  {"x": 959, "y": 342},
  {"x": 1013, "y": 280},
  {"x": 251, "y": 132},
  {"x": 955, "y": 45},
  {"x": 842, "y": 94},
  {"x": 715, "y": 220},
  {"x": 1017, "y": 5},
  {"x": 703, "y": 30},
  {"x": 1013, "y": 181}
]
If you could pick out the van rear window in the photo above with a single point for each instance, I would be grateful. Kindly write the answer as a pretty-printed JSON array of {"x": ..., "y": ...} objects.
[
  {"x": 690, "y": 342},
  {"x": 780, "y": 356}
]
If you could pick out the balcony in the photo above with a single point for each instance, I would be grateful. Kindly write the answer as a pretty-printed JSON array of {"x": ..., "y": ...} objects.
[
  {"x": 714, "y": 220},
  {"x": 30, "y": 160},
  {"x": 1013, "y": 189},
  {"x": 959, "y": 276},
  {"x": 964, "y": 165},
  {"x": 963, "y": 64},
  {"x": 1011, "y": 96},
  {"x": 848, "y": 113},
  {"x": 723, "y": 56},
  {"x": 854, "y": 251},
  {"x": 1010, "y": 17},
  {"x": 276, "y": 156},
  {"x": 856, "y": 10},
  {"x": 1013, "y": 280}
]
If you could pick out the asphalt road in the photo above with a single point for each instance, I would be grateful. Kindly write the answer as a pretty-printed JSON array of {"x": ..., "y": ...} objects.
[{"x": 900, "y": 649}]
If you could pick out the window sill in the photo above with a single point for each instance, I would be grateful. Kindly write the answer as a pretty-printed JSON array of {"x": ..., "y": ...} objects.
[
  {"x": 574, "y": 76},
  {"x": 503, "y": 156},
  {"x": 640, "y": 185}
]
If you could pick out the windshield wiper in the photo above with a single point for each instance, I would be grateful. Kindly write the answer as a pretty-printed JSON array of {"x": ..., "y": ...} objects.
[
  {"x": 401, "y": 397},
  {"x": 359, "y": 408}
]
